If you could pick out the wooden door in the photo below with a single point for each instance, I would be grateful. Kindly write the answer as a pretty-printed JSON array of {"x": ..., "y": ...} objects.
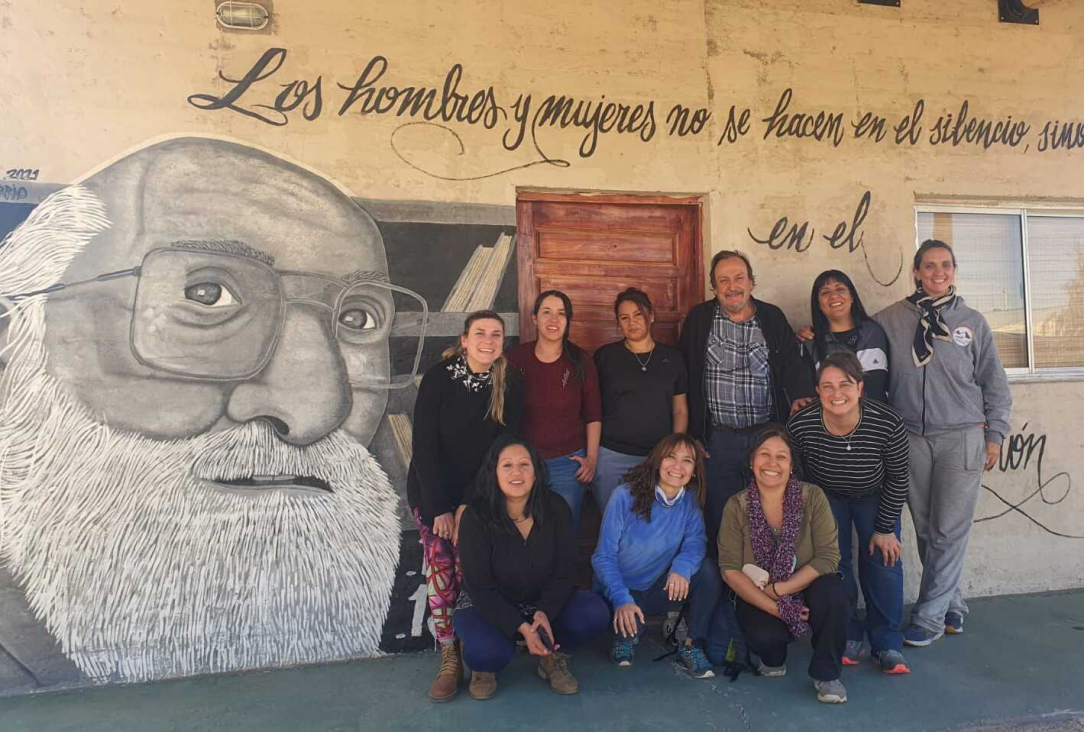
[{"x": 593, "y": 247}]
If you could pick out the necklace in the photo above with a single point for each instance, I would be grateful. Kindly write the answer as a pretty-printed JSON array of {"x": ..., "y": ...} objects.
[
  {"x": 847, "y": 437},
  {"x": 643, "y": 364},
  {"x": 520, "y": 520}
]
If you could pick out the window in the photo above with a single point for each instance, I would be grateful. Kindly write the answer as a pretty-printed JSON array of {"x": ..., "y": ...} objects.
[{"x": 1024, "y": 270}]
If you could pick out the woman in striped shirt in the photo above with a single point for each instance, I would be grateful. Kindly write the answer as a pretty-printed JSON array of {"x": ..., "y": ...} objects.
[{"x": 855, "y": 449}]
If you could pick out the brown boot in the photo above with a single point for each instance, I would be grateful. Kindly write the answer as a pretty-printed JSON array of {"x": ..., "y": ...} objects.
[
  {"x": 446, "y": 684},
  {"x": 555, "y": 668},
  {"x": 483, "y": 685}
]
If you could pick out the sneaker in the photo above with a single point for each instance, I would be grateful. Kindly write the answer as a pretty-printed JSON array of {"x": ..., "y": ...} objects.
[
  {"x": 674, "y": 625},
  {"x": 771, "y": 671},
  {"x": 623, "y": 651},
  {"x": 892, "y": 662},
  {"x": 554, "y": 668},
  {"x": 954, "y": 622},
  {"x": 856, "y": 652},
  {"x": 919, "y": 637},
  {"x": 483, "y": 685},
  {"x": 694, "y": 663},
  {"x": 830, "y": 692}
]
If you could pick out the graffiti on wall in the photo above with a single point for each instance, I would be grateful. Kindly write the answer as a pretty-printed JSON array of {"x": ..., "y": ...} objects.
[
  {"x": 847, "y": 237},
  {"x": 206, "y": 370},
  {"x": 1035, "y": 491},
  {"x": 268, "y": 94}
]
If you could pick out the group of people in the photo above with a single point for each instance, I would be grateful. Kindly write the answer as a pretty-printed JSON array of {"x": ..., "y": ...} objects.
[{"x": 731, "y": 472}]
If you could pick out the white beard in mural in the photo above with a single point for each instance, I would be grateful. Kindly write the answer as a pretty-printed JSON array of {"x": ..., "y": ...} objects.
[
  {"x": 136, "y": 553},
  {"x": 141, "y": 569}
]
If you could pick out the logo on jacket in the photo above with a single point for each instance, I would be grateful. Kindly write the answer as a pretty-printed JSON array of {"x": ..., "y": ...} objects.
[{"x": 962, "y": 335}]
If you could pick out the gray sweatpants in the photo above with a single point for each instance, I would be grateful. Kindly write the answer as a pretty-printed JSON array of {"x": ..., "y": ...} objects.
[{"x": 946, "y": 476}]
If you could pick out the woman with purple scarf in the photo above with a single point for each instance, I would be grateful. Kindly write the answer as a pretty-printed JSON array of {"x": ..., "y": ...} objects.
[{"x": 779, "y": 552}]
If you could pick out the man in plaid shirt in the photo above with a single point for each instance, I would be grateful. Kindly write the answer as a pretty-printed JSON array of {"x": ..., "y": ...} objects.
[{"x": 745, "y": 369}]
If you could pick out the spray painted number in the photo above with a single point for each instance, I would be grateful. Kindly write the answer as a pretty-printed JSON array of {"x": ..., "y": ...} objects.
[
  {"x": 12, "y": 193},
  {"x": 420, "y": 598},
  {"x": 21, "y": 174}
]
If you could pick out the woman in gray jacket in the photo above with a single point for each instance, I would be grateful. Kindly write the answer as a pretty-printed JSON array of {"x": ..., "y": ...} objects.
[{"x": 948, "y": 384}]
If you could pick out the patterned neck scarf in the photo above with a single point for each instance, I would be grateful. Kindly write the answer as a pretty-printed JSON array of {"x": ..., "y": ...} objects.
[
  {"x": 462, "y": 373},
  {"x": 930, "y": 325},
  {"x": 778, "y": 557}
]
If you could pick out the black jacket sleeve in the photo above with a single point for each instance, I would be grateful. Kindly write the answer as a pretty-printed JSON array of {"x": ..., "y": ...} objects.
[
  {"x": 692, "y": 343},
  {"x": 425, "y": 462},
  {"x": 786, "y": 352},
  {"x": 476, "y": 558},
  {"x": 558, "y": 588}
]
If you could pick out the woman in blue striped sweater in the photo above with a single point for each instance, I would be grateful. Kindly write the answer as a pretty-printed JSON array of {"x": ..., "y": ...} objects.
[{"x": 855, "y": 449}]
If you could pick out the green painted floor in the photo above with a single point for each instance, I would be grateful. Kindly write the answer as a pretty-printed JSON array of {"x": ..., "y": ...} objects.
[{"x": 1020, "y": 661}]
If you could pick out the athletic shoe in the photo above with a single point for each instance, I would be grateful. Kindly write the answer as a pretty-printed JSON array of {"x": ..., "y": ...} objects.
[
  {"x": 856, "y": 652},
  {"x": 623, "y": 652},
  {"x": 693, "y": 662},
  {"x": 771, "y": 671},
  {"x": 919, "y": 637},
  {"x": 954, "y": 622},
  {"x": 830, "y": 692},
  {"x": 892, "y": 662}
]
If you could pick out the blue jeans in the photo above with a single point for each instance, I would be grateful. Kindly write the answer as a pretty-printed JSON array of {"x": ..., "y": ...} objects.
[
  {"x": 882, "y": 587},
  {"x": 728, "y": 473},
  {"x": 705, "y": 589},
  {"x": 612, "y": 465},
  {"x": 562, "y": 473},
  {"x": 487, "y": 649}
]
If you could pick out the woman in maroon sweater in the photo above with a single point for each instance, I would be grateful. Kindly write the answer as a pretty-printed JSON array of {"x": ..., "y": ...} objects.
[{"x": 563, "y": 410}]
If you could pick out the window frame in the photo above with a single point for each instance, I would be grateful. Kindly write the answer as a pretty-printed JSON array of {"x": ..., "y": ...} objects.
[{"x": 1030, "y": 372}]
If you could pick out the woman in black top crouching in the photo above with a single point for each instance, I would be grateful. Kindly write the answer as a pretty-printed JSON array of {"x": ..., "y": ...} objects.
[{"x": 517, "y": 550}]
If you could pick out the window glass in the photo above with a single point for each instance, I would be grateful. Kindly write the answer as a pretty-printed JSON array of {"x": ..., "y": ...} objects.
[{"x": 1056, "y": 263}]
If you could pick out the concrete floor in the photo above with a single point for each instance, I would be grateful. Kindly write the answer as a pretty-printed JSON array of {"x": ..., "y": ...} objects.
[{"x": 1019, "y": 666}]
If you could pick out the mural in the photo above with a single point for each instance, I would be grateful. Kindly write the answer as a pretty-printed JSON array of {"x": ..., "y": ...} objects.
[{"x": 200, "y": 354}]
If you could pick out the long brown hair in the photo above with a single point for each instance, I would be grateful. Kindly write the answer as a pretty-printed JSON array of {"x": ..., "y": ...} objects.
[
  {"x": 644, "y": 477},
  {"x": 499, "y": 369}
]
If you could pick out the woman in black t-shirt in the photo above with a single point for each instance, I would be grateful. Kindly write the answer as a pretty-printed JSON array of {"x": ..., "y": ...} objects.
[
  {"x": 518, "y": 550},
  {"x": 643, "y": 386}
]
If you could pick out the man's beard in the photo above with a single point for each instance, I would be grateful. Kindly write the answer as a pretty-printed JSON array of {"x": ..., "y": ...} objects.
[{"x": 142, "y": 570}]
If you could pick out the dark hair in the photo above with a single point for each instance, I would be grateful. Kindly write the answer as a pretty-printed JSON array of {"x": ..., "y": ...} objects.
[
  {"x": 637, "y": 296},
  {"x": 925, "y": 247},
  {"x": 846, "y": 362},
  {"x": 492, "y": 506},
  {"x": 642, "y": 479},
  {"x": 731, "y": 254},
  {"x": 575, "y": 353},
  {"x": 820, "y": 321},
  {"x": 774, "y": 430}
]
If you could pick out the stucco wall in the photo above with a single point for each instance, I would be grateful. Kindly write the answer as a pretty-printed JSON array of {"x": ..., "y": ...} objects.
[{"x": 84, "y": 86}]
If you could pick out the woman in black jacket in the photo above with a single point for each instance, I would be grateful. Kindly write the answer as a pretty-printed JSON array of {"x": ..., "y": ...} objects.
[
  {"x": 464, "y": 402},
  {"x": 517, "y": 549}
]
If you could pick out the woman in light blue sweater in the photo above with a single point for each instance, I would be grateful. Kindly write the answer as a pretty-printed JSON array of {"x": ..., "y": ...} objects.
[{"x": 651, "y": 549}]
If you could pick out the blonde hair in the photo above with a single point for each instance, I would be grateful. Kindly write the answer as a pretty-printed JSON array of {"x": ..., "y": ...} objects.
[{"x": 498, "y": 371}]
